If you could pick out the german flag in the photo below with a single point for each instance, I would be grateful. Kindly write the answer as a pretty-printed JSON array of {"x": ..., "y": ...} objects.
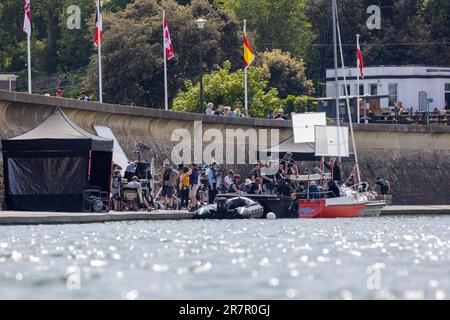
[{"x": 249, "y": 55}]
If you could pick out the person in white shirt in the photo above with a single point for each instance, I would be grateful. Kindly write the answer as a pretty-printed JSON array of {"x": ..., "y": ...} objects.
[
  {"x": 210, "y": 109},
  {"x": 135, "y": 184},
  {"x": 83, "y": 96},
  {"x": 228, "y": 179}
]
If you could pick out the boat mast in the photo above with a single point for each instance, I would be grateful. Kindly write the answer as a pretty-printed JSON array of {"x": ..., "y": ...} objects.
[
  {"x": 336, "y": 82},
  {"x": 347, "y": 99}
]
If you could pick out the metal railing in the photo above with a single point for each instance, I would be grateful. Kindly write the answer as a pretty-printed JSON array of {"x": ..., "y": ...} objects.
[{"x": 418, "y": 118}]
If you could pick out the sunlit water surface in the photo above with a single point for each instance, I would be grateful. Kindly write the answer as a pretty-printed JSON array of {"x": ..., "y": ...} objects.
[{"x": 367, "y": 258}]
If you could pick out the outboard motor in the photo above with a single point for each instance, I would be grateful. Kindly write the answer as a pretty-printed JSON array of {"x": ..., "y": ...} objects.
[
  {"x": 206, "y": 212},
  {"x": 222, "y": 207}
]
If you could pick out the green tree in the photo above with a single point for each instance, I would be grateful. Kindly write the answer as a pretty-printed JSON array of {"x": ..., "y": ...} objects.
[
  {"x": 224, "y": 87},
  {"x": 116, "y": 5},
  {"x": 299, "y": 104},
  {"x": 407, "y": 34},
  {"x": 285, "y": 73},
  {"x": 11, "y": 35},
  {"x": 436, "y": 14},
  {"x": 280, "y": 24},
  {"x": 133, "y": 52},
  {"x": 75, "y": 46}
]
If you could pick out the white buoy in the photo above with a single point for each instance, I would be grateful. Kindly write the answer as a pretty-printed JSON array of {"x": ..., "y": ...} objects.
[{"x": 271, "y": 216}]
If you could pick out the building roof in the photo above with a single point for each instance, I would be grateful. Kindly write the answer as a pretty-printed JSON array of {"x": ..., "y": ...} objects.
[
  {"x": 7, "y": 76},
  {"x": 366, "y": 97},
  {"x": 393, "y": 72}
]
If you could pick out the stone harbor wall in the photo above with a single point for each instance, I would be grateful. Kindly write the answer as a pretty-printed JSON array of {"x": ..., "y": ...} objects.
[
  {"x": 416, "y": 177},
  {"x": 416, "y": 159},
  {"x": 2, "y": 188}
]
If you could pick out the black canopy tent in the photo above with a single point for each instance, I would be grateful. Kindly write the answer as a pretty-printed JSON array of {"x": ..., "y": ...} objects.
[{"x": 47, "y": 168}]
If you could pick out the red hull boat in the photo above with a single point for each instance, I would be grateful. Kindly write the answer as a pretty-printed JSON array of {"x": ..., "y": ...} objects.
[{"x": 343, "y": 207}]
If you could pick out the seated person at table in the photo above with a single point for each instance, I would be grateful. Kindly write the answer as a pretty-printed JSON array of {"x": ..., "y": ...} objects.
[
  {"x": 255, "y": 187},
  {"x": 135, "y": 184},
  {"x": 268, "y": 178},
  {"x": 333, "y": 189},
  {"x": 247, "y": 184},
  {"x": 314, "y": 192},
  {"x": 234, "y": 186},
  {"x": 399, "y": 108}
]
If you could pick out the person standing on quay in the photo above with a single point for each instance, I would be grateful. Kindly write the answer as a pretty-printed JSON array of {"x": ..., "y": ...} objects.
[
  {"x": 169, "y": 182},
  {"x": 183, "y": 187},
  {"x": 211, "y": 173},
  {"x": 193, "y": 185}
]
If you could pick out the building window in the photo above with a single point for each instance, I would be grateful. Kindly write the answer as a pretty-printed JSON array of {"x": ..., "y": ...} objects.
[
  {"x": 393, "y": 94},
  {"x": 373, "y": 88},
  {"x": 361, "y": 89},
  {"x": 343, "y": 90}
]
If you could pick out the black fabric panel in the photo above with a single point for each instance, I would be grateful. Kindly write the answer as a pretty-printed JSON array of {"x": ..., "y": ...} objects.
[
  {"x": 46, "y": 176},
  {"x": 100, "y": 145},
  {"x": 47, "y": 144},
  {"x": 47, "y": 154},
  {"x": 58, "y": 203},
  {"x": 101, "y": 165}
]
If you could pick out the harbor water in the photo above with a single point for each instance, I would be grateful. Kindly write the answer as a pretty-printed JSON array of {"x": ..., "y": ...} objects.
[{"x": 363, "y": 258}]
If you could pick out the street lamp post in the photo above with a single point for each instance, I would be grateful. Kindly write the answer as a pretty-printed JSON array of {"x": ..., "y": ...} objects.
[{"x": 201, "y": 25}]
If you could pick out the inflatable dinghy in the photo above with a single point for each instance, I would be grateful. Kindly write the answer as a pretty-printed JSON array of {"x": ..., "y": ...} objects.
[{"x": 234, "y": 208}]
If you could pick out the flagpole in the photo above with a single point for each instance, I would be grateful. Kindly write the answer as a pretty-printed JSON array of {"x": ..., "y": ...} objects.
[
  {"x": 166, "y": 96},
  {"x": 99, "y": 47},
  {"x": 357, "y": 83},
  {"x": 29, "y": 61},
  {"x": 100, "y": 80},
  {"x": 245, "y": 78}
]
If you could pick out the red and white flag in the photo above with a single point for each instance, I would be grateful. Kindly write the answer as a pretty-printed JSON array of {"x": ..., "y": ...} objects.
[
  {"x": 360, "y": 60},
  {"x": 98, "y": 24},
  {"x": 167, "y": 41},
  {"x": 27, "y": 19}
]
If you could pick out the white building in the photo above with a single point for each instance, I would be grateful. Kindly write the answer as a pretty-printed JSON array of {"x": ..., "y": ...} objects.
[{"x": 417, "y": 87}]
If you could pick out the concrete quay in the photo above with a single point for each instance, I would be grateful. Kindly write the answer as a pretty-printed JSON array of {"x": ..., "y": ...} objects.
[
  {"x": 28, "y": 218},
  {"x": 416, "y": 210}
]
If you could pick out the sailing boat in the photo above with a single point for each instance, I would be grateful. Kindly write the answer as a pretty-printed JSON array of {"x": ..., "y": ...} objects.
[
  {"x": 351, "y": 200},
  {"x": 333, "y": 141}
]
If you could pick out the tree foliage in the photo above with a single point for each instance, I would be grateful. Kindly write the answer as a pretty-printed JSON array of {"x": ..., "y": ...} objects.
[
  {"x": 280, "y": 24},
  {"x": 133, "y": 52},
  {"x": 285, "y": 73},
  {"x": 224, "y": 87},
  {"x": 412, "y": 32}
]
